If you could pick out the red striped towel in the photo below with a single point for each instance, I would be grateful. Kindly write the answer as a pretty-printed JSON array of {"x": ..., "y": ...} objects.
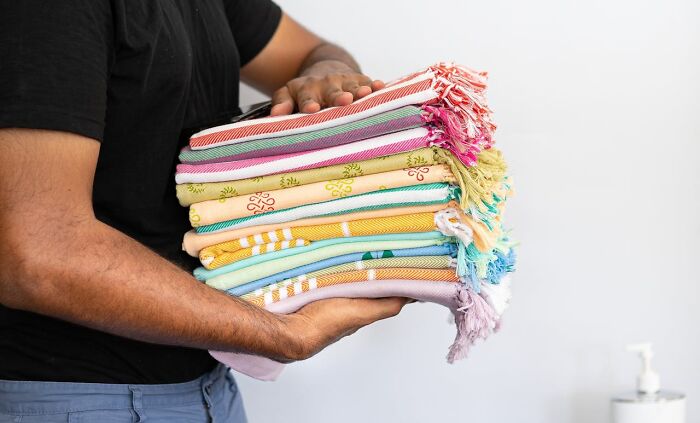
[{"x": 455, "y": 94}]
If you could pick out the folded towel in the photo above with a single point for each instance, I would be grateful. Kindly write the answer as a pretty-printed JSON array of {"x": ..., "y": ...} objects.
[
  {"x": 447, "y": 249},
  {"x": 214, "y": 211},
  {"x": 417, "y": 195},
  {"x": 277, "y": 294},
  {"x": 448, "y": 221},
  {"x": 478, "y": 184},
  {"x": 195, "y": 193},
  {"x": 456, "y": 89},
  {"x": 415, "y": 262},
  {"x": 476, "y": 315},
  {"x": 384, "y": 123},
  {"x": 194, "y": 242},
  {"x": 236, "y": 274},
  {"x": 396, "y": 194},
  {"x": 397, "y": 142}
]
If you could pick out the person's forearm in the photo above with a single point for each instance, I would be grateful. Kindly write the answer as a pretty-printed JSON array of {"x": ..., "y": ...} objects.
[
  {"x": 327, "y": 52},
  {"x": 95, "y": 276}
]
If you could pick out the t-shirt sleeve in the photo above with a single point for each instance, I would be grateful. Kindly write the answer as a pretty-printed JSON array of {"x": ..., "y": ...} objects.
[
  {"x": 253, "y": 23},
  {"x": 54, "y": 64}
]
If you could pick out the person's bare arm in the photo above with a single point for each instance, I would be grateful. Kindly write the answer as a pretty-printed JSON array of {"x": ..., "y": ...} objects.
[
  {"x": 300, "y": 70},
  {"x": 57, "y": 259}
]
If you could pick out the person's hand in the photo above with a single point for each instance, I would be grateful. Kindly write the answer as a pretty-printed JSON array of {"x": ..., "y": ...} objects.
[
  {"x": 324, "y": 84},
  {"x": 321, "y": 323}
]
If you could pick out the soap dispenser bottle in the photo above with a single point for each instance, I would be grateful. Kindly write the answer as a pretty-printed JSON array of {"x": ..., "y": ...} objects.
[{"x": 649, "y": 404}]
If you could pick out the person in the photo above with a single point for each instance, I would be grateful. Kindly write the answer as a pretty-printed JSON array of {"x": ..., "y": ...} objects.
[{"x": 100, "y": 318}]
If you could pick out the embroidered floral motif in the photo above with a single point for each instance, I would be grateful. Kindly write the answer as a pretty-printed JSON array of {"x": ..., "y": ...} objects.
[
  {"x": 227, "y": 192},
  {"x": 261, "y": 202},
  {"x": 194, "y": 217},
  {"x": 195, "y": 188},
  {"x": 340, "y": 187},
  {"x": 289, "y": 181},
  {"x": 258, "y": 179},
  {"x": 352, "y": 170},
  {"x": 412, "y": 161},
  {"x": 417, "y": 172}
]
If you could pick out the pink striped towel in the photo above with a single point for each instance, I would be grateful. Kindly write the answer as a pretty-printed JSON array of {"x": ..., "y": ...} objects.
[
  {"x": 459, "y": 93},
  {"x": 397, "y": 142}
]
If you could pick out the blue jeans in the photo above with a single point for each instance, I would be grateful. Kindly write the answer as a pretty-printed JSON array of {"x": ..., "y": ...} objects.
[{"x": 213, "y": 397}]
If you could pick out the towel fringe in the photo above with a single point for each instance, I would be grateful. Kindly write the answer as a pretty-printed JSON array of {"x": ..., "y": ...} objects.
[
  {"x": 449, "y": 133},
  {"x": 474, "y": 319},
  {"x": 473, "y": 265},
  {"x": 461, "y": 91},
  {"x": 504, "y": 263},
  {"x": 477, "y": 183},
  {"x": 498, "y": 295},
  {"x": 449, "y": 222}
]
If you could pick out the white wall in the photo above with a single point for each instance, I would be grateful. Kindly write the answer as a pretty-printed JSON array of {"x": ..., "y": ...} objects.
[{"x": 598, "y": 108}]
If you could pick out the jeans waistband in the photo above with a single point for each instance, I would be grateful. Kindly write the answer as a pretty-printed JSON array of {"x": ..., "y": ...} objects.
[{"x": 37, "y": 398}]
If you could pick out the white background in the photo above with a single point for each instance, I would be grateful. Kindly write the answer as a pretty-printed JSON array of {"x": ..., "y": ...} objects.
[{"x": 598, "y": 112}]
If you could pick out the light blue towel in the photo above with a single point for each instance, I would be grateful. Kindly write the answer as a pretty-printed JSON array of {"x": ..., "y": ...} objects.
[
  {"x": 203, "y": 274},
  {"x": 437, "y": 250}
]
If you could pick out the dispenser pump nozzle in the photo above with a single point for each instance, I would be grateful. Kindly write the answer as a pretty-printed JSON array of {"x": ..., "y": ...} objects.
[{"x": 648, "y": 379}]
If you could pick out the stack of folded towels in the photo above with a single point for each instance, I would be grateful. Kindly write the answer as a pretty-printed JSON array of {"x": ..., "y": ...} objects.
[{"x": 397, "y": 194}]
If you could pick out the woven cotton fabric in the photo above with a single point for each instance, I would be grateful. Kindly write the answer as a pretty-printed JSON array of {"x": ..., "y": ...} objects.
[
  {"x": 296, "y": 288},
  {"x": 416, "y": 195},
  {"x": 333, "y": 246},
  {"x": 478, "y": 184},
  {"x": 238, "y": 273},
  {"x": 227, "y": 252},
  {"x": 191, "y": 193},
  {"x": 397, "y": 142},
  {"x": 399, "y": 193},
  {"x": 417, "y": 262},
  {"x": 445, "y": 221},
  {"x": 456, "y": 93},
  {"x": 446, "y": 249},
  {"x": 194, "y": 242},
  {"x": 413, "y": 92},
  {"x": 384, "y": 123},
  {"x": 470, "y": 311},
  {"x": 214, "y": 211}
]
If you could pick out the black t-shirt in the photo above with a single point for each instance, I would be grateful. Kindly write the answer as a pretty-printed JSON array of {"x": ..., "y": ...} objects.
[{"x": 139, "y": 76}]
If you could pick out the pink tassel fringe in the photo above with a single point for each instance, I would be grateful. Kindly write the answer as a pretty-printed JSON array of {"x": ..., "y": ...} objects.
[{"x": 461, "y": 110}]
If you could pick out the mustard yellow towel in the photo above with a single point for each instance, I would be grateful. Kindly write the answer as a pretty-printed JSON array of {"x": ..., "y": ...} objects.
[
  {"x": 445, "y": 220},
  {"x": 227, "y": 252},
  {"x": 193, "y": 242}
]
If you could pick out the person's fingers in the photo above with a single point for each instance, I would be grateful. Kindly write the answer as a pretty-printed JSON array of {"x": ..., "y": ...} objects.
[
  {"x": 324, "y": 322},
  {"x": 365, "y": 86},
  {"x": 364, "y": 80},
  {"x": 308, "y": 100},
  {"x": 311, "y": 95},
  {"x": 334, "y": 96},
  {"x": 306, "y": 94},
  {"x": 377, "y": 85},
  {"x": 352, "y": 312},
  {"x": 351, "y": 86},
  {"x": 282, "y": 102},
  {"x": 363, "y": 91},
  {"x": 369, "y": 310}
]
